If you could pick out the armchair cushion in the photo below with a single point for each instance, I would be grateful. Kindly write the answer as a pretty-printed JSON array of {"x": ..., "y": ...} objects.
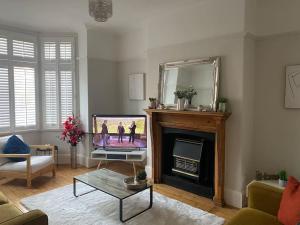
[
  {"x": 15, "y": 145},
  {"x": 3, "y": 199},
  {"x": 37, "y": 163},
  {"x": 248, "y": 216},
  {"x": 8, "y": 212},
  {"x": 3, "y": 141},
  {"x": 289, "y": 211}
]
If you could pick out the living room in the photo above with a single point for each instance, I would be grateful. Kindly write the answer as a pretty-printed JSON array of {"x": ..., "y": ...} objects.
[{"x": 102, "y": 60}]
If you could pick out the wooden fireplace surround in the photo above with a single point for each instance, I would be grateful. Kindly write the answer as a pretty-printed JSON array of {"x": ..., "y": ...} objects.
[{"x": 213, "y": 122}]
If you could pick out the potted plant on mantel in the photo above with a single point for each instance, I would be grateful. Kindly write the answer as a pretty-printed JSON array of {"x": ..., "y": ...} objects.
[
  {"x": 282, "y": 178},
  {"x": 180, "y": 94},
  {"x": 72, "y": 134},
  {"x": 222, "y": 106},
  {"x": 153, "y": 103}
]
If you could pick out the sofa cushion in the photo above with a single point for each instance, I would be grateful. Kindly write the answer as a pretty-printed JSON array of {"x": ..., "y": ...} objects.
[
  {"x": 15, "y": 145},
  {"x": 8, "y": 212},
  {"x": 37, "y": 163},
  {"x": 3, "y": 141},
  {"x": 3, "y": 199},
  {"x": 249, "y": 216},
  {"x": 289, "y": 211}
]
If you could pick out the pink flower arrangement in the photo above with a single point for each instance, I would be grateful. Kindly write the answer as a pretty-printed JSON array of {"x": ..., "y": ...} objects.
[{"x": 72, "y": 132}]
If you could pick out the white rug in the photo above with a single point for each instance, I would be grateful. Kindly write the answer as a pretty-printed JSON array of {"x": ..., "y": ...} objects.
[{"x": 98, "y": 208}]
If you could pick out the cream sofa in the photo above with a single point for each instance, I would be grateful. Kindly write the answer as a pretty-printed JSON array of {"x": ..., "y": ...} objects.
[{"x": 29, "y": 169}]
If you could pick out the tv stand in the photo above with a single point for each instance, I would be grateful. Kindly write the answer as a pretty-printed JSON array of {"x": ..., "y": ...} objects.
[{"x": 138, "y": 155}]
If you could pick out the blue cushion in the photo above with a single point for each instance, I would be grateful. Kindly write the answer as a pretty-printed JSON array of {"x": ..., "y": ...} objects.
[{"x": 15, "y": 145}]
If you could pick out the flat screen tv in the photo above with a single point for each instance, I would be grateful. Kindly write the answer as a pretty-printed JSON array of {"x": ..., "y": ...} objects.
[{"x": 119, "y": 132}]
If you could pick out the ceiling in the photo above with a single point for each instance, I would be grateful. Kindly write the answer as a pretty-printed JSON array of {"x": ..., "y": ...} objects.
[{"x": 72, "y": 15}]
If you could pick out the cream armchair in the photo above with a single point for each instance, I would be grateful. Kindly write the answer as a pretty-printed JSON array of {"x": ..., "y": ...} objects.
[{"x": 29, "y": 169}]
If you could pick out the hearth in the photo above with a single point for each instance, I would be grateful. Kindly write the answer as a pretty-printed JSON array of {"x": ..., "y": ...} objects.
[{"x": 188, "y": 160}]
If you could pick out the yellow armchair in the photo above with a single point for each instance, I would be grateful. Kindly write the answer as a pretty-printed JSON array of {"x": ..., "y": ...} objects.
[
  {"x": 263, "y": 205},
  {"x": 11, "y": 215}
]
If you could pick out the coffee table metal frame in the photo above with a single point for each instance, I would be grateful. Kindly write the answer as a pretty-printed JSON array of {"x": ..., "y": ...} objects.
[{"x": 150, "y": 187}]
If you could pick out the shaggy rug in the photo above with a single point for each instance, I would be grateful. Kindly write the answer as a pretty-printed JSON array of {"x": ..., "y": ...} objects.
[{"x": 98, "y": 208}]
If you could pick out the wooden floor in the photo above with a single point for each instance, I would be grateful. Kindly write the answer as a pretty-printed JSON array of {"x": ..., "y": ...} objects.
[{"x": 15, "y": 190}]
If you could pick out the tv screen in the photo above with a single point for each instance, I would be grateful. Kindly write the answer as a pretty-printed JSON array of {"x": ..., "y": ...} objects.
[{"x": 119, "y": 131}]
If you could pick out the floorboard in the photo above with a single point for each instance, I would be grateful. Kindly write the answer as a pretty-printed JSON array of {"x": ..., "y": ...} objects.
[{"x": 16, "y": 189}]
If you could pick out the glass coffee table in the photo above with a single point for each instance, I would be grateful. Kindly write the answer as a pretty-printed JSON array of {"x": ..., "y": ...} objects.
[{"x": 111, "y": 183}]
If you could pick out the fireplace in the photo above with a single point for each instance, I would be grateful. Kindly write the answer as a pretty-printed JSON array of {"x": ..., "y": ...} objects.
[
  {"x": 202, "y": 172},
  {"x": 188, "y": 160}
]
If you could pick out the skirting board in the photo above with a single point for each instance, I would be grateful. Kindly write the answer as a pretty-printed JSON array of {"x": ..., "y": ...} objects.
[
  {"x": 233, "y": 198},
  {"x": 65, "y": 159}
]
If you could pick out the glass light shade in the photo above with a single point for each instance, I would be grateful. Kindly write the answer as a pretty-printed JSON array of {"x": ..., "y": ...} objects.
[{"x": 100, "y": 10}]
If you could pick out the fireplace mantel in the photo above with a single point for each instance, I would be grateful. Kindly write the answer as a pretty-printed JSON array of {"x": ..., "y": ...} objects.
[{"x": 213, "y": 122}]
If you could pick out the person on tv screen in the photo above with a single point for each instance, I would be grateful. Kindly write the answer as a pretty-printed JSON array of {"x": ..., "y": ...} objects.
[
  {"x": 121, "y": 132},
  {"x": 104, "y": 133},
  {"x": 132, "y": 132}
]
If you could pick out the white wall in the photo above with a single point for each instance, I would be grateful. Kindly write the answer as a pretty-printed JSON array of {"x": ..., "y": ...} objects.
[
  {"x": 132, "y": 45},
  {"x": 102, "y": 45},
  {"x": 207, "y": 19},
  {"x": 125, "y": 68},
  {"x": 276, "y": 128},
  {"x": 102, "y": 72},
  {"x": 277, "y": 16},
  {"x": 248, "y": 169}
]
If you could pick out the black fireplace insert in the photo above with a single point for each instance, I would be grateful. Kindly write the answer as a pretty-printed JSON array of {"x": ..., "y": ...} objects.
[{"x": 188, "y": 160}]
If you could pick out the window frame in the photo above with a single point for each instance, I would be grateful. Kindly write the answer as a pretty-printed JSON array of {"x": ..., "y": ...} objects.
[
  {"x": 10, "y": 61},
  {"x": 39, "y": 64},
  {"x": 60, "y": 65}
]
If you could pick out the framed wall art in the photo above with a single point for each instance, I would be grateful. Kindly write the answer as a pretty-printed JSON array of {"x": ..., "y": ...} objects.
[{"x": 292, "y": 87}]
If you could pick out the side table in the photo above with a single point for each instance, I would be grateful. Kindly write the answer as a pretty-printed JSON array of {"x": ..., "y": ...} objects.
[{"x": 47, "y": 152}]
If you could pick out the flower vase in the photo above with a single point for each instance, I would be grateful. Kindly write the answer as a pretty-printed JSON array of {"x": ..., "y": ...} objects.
[
  {"x": 73, "y": 150},
  {"x": 180, "y": 104},
  {"x": 186, "y": 104},
  {"x": 153, "y": 105}
]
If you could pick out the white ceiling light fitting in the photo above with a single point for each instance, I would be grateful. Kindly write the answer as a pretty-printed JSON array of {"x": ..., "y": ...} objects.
[{"x": 100, "y": 10}]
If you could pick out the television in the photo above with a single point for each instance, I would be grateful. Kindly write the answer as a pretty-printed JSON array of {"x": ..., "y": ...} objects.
[{"x": 119, "y": 131}]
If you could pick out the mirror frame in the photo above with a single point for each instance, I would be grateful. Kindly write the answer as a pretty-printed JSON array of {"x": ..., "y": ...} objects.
[{"x": 215, "y": 61}]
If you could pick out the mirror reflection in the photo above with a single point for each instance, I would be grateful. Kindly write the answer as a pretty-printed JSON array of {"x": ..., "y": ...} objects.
[
  {"x": 197, "y": 76},
  {"x": 200, "y": 75}
]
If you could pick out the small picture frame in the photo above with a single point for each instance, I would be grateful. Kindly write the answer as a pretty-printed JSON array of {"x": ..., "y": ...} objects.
[{"x": 136, "y": 86}]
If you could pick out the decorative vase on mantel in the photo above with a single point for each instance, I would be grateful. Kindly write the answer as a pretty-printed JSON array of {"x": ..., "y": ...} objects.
[
  {"x": 180, "y": 104},
  {"x": 73, "y": 153}
]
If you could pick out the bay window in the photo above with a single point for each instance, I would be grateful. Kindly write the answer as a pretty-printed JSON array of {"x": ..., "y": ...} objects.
[{"x": 36, "y": 81}]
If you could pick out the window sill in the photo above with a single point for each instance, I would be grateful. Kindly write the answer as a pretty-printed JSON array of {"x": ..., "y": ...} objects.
[{"x": 5, "y": 133}]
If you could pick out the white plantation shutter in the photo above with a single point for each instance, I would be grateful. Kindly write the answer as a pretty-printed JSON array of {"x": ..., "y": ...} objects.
[
  {"x": 24, "y": 91},
  {"x": 3, "y": 45},
  {"x": 49, "y": 50},
  {"x": 50, "y": 99},
  {"x": 58, "y": 65},
  {"x": 65, "y": 50},
  {"x": 4, "y": 99},
  {"x": 66, "y": 94},
  {"x": 23, "y": 49}
]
